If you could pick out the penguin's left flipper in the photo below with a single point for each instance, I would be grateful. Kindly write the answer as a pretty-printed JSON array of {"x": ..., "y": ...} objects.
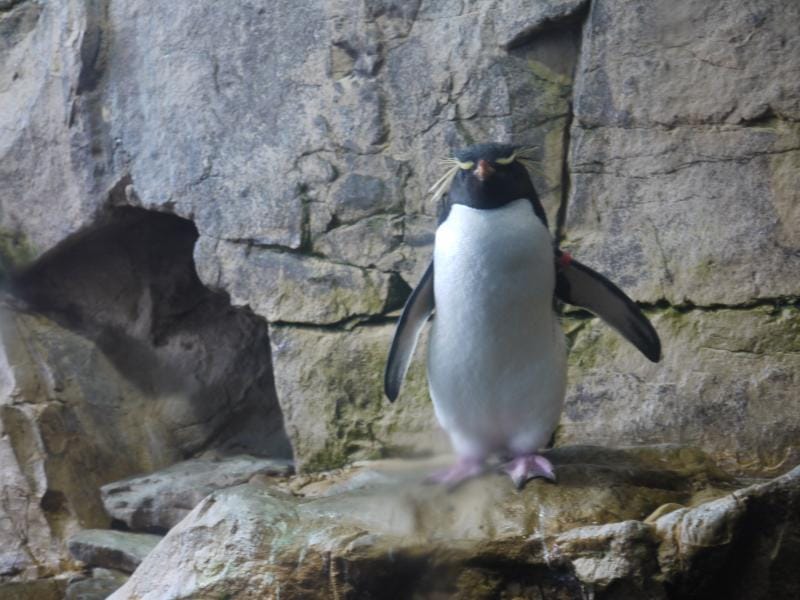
[
  {"x": 579, "y": 285},
  {"x": 418, "y": 308}
]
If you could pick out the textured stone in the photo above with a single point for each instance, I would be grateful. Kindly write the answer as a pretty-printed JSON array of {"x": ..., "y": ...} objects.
[
  {"x": 158, "y": 500},
  {"x": 640, "y": 195},
  {"x": 365, "y": 535},
  {"x": 684, "y": 190},
  {"x": 516, "y": 22},
  {"x": 40, "y": 589},
  {"x": 101, "y": 584},
  {"x": 45, "y": 147},
  {"x": 28, "y": 544},
  {"x": 646, "y": 64},
  {"x": 121, "y": 550},
  {"x": 363, "y": 243},
  {"x": 196, "y": 372},
  {"x": 109, "y": 385},
  {"x": 756, "y": 528},
  {"x": 330, "y": 385},
  {"x": 723, "y": 371},
  {"x": 614, "y": 554},
  {"x": 301, "y": 289}
]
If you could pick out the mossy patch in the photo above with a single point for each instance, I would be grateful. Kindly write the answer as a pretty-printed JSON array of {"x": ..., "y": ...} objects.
[{"x": 15, "y": 252}]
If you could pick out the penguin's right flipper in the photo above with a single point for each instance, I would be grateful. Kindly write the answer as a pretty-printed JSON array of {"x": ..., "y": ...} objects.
[
  {"x": 579, "y": 285},
  {"x": 418, "y": 308}
]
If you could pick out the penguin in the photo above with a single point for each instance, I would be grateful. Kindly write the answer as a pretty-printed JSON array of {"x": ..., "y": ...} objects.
[{"x": 497, "y": 355}]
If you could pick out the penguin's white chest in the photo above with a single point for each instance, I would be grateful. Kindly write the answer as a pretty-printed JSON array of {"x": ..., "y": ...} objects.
[{"x": 496, "y": 358}]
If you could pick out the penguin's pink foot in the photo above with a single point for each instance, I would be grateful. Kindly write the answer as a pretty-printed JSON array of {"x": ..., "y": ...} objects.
[
  {"x": 525, "y": 467},
  {"x": 455, "y": 475}
]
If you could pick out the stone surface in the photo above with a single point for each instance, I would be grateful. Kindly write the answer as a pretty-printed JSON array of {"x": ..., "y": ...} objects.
[
  {"x": 40, "y": 589},
  {"x": 330, "y": 385},
  {"x": 101, "y": 584},
  {"x": 121, "y": 550},
  {"x": 158, "y": 500},
  {"x": 288, "y": 287},
  {"x": 684, "y": 190},
  {"x": 728, "y": 382},
  {"x": 686, "y": 146},
  {"x": 136, "y": 366},
  {"x": 646, "y": 64},
  {"x": 691, "y": 215},
  {"x": 46, "y": 164},
  {"x": 200, "y": 368},
  {"x": 375, "y": 530}
]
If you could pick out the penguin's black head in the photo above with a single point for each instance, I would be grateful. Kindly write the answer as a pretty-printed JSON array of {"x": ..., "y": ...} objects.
[{"x": 490, "y": 176}]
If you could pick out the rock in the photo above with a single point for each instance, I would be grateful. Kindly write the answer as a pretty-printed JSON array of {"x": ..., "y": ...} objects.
[
  {"x": 198, "y": 367},
  {"x": 302, "y": 289},
  {"x": 516, "y": 22},
  {"x": 364, "y": 243},
  {"x": 330, "y": 384},
  {"x": 756, "y": 528},
  {"x": 159, "y": 500},
  {"x": 645, "y": 65},
  {"x": 40, "y": 589},
  {"x": 619, "y": 554},
  {"x": 638, "y": 193},
  {"x": 364, "y": 535},
  {"x": 51, "y": 467},
  {"x": 121, "y": 550},
  {"x": 45, "y": 151},
  {"x": 135, "y": 366},
  {"x": 723, "y": 371},
  {"x": 683, "y": 169},
  {"x": 99, "y": 586}
]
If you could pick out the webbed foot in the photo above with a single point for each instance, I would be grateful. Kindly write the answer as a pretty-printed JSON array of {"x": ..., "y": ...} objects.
[
  {"x": 455, "y": 475},
  {"x": 527, "y": 466}
]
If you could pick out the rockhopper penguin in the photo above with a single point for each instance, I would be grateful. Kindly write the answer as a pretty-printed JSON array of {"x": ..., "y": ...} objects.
[{"x": 497, "y": 353}]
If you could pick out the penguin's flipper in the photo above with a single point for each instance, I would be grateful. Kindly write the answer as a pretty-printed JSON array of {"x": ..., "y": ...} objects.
[
  {"x": 418, "y": 308},
  {"x": 579, "y": 285}
]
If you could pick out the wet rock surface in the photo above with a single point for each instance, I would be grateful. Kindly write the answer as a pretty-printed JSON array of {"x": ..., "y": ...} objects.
[
  {"x": 158, "y": 501},
  {"x": 98, "y": 586},
  {"x": 376, "y": 529},
  {"x": 109, "y": 549}
]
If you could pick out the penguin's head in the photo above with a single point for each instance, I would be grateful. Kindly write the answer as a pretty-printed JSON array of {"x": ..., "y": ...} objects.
[{"x": 487, "y": 176}]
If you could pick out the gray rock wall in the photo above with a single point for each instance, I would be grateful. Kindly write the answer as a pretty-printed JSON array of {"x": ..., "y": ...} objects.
[
  {"x": 684, "y": 164},
  {"x": 300, "y": 139}
]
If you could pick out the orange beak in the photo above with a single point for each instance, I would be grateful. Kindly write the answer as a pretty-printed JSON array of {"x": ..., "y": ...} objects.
[{"x": 483, "y": 171}]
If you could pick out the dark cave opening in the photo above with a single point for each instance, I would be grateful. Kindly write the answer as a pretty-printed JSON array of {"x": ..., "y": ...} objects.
[{"x": 130, "y": 286}]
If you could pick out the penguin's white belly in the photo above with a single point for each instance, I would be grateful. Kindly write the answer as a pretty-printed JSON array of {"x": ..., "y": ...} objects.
[{"x": 496, "y": 358}]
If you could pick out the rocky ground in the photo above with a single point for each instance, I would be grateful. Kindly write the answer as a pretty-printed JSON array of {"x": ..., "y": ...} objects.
[{"x": 640, "y": 522}]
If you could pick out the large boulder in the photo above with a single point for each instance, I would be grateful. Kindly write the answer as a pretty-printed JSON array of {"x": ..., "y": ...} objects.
[{"x": 635, "y": 523}]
